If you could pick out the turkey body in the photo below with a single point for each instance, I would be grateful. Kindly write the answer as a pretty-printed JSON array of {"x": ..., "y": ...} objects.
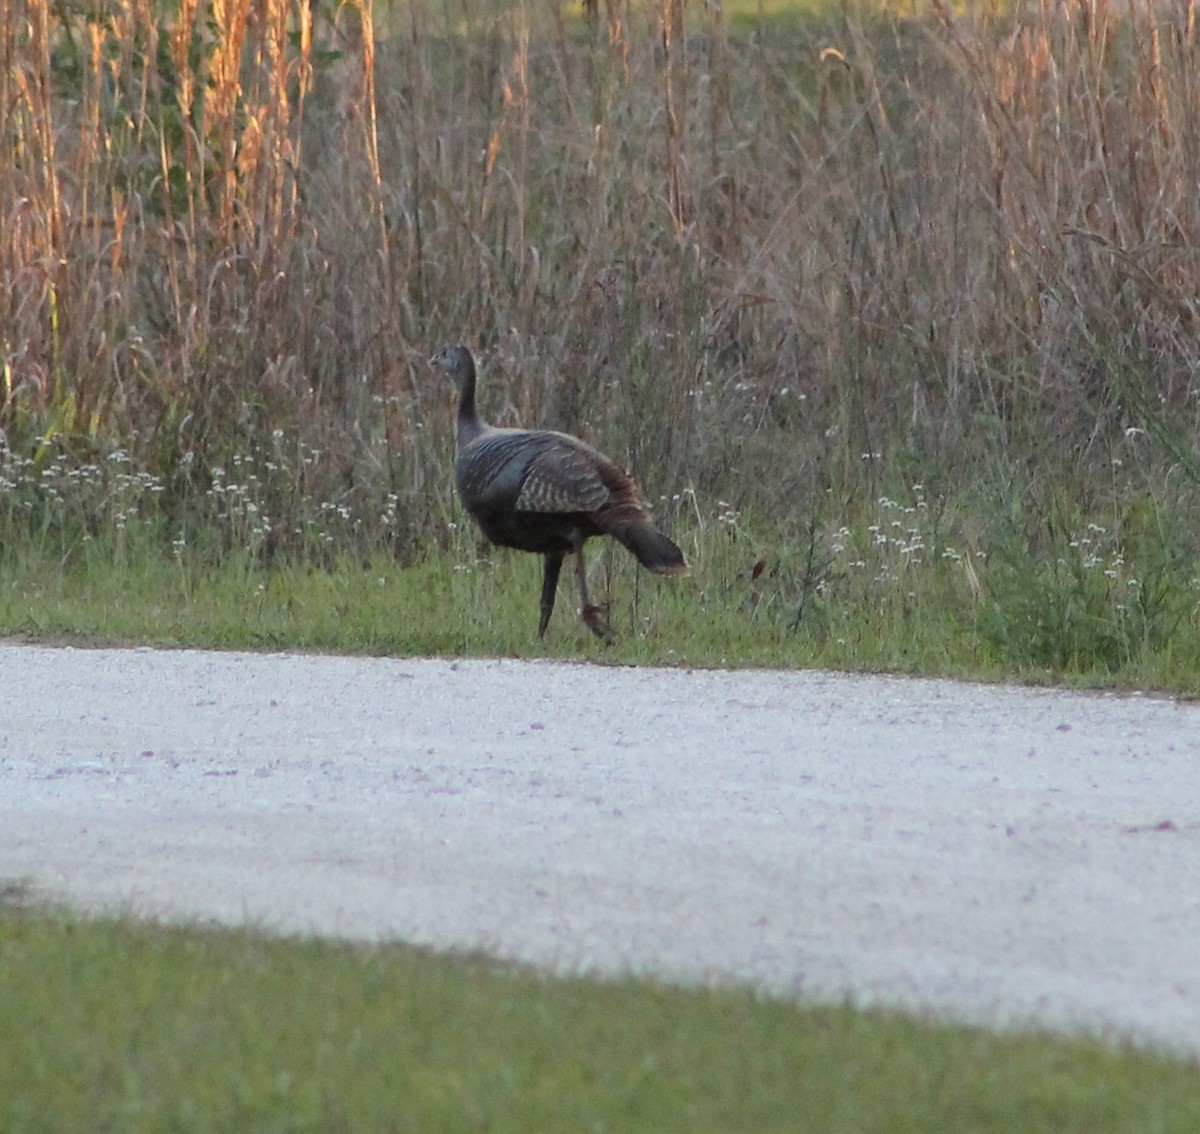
[{"x": 548, "y": 493}]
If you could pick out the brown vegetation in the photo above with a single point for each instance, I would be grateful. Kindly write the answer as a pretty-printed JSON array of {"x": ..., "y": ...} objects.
[{"x": 802, "y": 254}]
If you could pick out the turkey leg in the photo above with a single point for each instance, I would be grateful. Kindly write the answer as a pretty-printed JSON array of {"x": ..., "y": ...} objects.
[
  {"x": 553, "y": 566},
  {"x": 590, "y": 614}
]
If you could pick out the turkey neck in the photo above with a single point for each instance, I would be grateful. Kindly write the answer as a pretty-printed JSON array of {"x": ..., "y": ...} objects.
[{"x": 469, "y": 425}]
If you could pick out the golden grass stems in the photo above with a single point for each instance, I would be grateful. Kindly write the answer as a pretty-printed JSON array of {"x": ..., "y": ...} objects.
[{"x": 760, "y": 262}]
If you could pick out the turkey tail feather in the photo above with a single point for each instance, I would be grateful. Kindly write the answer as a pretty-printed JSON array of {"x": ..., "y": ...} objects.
[
  {"x": 632, "y": 527},
  {"x": 654, "y": 551}
]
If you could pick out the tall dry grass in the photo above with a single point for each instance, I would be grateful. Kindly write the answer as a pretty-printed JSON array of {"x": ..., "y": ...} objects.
[{"x": 767, "y": 263}]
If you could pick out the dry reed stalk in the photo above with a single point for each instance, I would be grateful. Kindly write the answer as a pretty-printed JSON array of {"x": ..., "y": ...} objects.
[
  {"x": 674, "y": 97},
  {"x": 230, "y": 18},
  {"x": 617, "y": 18},
  {"x": 369, "y": 117},
  {"x": 33, "y": 220}
]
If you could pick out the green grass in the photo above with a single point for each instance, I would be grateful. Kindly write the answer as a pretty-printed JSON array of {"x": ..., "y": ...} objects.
[
  {"x": 951, "y": 588},
  {"x": 489, "y": 607},
  {"x": 116, "y": 1026}
]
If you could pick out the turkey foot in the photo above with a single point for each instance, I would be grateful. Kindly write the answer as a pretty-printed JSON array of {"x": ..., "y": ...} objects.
[{"x": 594, "y": 621}]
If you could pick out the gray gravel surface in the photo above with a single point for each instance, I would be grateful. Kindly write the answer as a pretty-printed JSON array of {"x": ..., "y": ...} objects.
[{"x": 983, "y": 853}]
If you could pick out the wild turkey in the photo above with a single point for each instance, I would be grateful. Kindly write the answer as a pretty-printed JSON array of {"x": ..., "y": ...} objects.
[{"x": 548, "y": 493}]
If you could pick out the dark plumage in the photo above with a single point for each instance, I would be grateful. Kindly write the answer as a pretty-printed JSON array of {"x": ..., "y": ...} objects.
[{"x": 548, "y": 493}]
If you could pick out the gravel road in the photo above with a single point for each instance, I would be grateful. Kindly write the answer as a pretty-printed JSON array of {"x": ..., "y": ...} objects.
[{"x": 991, "y": 854}]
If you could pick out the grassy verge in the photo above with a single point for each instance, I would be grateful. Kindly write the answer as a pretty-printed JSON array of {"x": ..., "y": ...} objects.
[
  {"x": 947, "y": 586},
  {"x": 111, "y": 1025}
]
